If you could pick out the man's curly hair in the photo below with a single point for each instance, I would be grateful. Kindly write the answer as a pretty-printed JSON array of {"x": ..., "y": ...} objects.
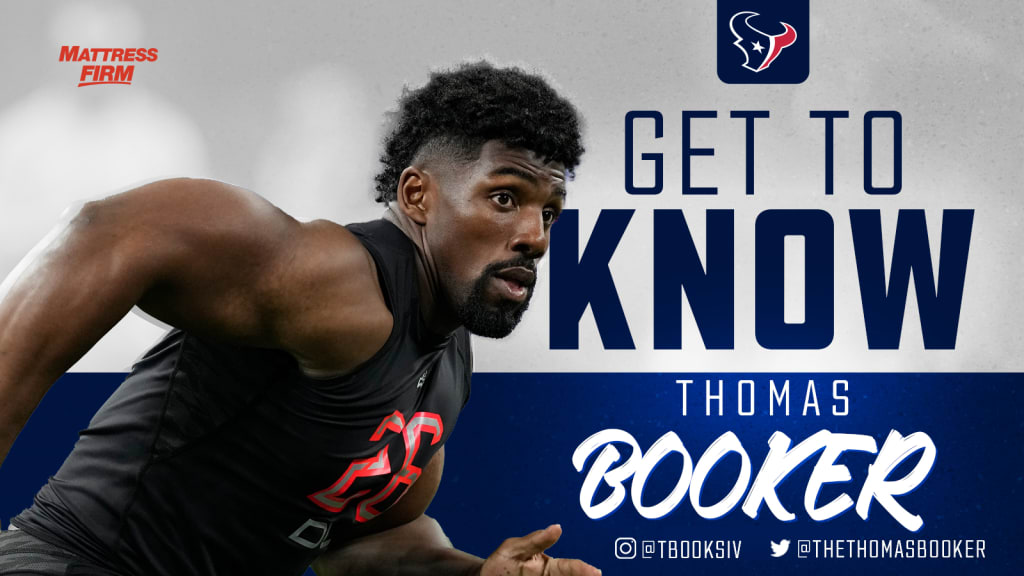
[{"x": 459, "y": 110}]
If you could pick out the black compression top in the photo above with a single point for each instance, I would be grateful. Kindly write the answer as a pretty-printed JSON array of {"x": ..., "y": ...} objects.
[{"x": 215, "y": 459}]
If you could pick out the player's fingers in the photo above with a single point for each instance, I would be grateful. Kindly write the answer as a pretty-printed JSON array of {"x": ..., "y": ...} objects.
[
  {"x": 533, "y": 543},
  {"x": 570, "y": 567}
]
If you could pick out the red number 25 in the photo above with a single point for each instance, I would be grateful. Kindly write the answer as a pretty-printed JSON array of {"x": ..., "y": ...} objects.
[{"x": 334, "y": 498}]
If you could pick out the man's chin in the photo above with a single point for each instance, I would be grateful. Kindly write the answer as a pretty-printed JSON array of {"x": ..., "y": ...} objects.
[
  {"x": 494, "y": 321},
  {"x": 490, "y": 331}
]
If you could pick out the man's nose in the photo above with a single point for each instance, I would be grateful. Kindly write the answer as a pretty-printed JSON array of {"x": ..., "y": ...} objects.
[{"x": 530, "y": 237}]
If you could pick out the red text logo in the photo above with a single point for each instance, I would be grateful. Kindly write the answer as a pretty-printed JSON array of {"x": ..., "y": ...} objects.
[{"x": 106, "y": 65}]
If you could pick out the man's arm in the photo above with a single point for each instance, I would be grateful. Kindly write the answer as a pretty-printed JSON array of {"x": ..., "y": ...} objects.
[
  {"x": 409, "y": 543},
  {"x": 420, "y": 548},
  {"x": 416, "y": 548},
  {"x": 201, "y": 255}
]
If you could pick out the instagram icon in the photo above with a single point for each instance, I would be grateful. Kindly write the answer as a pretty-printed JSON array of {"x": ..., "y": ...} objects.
[{"x": 625, "y": 548}]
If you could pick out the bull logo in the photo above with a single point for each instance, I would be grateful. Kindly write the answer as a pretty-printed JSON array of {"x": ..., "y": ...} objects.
[{"x": 759, "y": 49}]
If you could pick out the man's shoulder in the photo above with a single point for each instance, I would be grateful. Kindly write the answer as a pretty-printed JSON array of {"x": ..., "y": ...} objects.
[{"x": 332, "y": 312}]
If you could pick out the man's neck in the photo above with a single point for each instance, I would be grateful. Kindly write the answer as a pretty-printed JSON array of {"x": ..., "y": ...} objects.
[{"x": 435, "y": 313}]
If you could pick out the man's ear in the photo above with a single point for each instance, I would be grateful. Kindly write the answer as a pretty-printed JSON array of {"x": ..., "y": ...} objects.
[{"x": 413, "y": 197}]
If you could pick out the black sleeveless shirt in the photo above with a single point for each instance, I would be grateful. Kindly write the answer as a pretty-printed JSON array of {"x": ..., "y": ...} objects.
[{"x": 216, "y": 459}]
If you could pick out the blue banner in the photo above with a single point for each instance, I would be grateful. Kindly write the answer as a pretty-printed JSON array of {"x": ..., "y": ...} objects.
[{"x": 510, "y": 469}]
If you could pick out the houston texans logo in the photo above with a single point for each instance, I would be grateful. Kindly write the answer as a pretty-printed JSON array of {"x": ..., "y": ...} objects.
[{"x": 759, "y": 49}]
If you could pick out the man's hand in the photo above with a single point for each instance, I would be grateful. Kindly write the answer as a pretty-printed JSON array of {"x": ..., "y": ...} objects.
[{"x": 525, "y": 557}]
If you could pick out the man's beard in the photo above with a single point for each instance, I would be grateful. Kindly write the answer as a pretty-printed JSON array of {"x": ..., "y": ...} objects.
[{"x": 493, "y": 320}]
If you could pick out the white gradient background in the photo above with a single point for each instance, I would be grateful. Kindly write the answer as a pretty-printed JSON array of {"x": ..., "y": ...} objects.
[{"x": 287, "y": 99}]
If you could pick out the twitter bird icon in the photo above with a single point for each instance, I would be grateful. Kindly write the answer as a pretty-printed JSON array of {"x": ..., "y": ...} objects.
[{"x": 780, "y": 549}]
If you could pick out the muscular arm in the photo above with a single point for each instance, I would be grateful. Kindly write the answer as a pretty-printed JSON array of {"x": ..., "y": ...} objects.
[
  {"x": 420, "y": 548},
  {"x": 201, "y": 255},
  {"x": 402, "y": 540},
  {"x": 405, "y": 542}
]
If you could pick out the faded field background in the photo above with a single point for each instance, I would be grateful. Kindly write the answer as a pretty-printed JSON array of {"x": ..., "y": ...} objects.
[{"x": 287, "y": 99}]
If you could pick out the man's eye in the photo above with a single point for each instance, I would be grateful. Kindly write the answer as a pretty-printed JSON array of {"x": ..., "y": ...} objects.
[
  {"x": 503, "y": 198},
  {"x": 550, "y": 216}
]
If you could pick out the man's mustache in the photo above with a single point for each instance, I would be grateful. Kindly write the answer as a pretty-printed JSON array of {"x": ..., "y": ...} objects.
[{"x": 519, "y": 262}]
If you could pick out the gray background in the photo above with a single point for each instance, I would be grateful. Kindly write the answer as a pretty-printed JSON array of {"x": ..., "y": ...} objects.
[{"x": 287, "y": 98}]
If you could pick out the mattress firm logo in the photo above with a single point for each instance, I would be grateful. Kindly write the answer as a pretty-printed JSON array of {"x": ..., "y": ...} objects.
[{"x": 106, "y": 65}]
